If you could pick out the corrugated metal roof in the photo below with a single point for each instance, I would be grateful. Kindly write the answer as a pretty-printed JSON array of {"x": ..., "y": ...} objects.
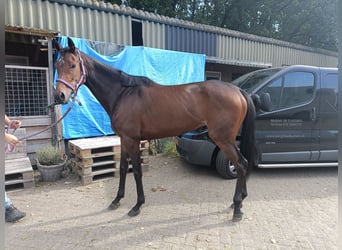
[
  {"x": 99, "y": 21},
  {"x": 114, "y": 8}
]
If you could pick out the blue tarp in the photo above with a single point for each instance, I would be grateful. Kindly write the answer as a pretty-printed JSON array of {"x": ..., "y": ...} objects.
[{"x": 162, "y": 66}]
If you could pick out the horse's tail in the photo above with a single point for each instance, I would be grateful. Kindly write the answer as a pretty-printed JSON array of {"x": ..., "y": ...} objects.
[{"x": 247, "y": 138}]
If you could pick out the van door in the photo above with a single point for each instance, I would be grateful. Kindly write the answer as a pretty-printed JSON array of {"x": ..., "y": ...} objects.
[
  {"x": 328, "y": 117},
  {"x": 286, "y": 133}
]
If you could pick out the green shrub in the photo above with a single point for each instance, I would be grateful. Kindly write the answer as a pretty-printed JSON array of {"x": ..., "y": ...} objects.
[
  {"x": 169, "y": 146},
  {"x": 48, "y": 155}
]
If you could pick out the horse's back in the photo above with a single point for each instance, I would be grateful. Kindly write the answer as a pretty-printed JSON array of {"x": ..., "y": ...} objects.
[{"x": 200, "y": 98}]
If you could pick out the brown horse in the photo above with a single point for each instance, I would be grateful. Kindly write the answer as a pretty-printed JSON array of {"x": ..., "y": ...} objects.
[{"x": 141, "y": 109}]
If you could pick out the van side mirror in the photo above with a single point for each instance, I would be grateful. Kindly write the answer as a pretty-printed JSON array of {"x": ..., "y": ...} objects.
[
  {"x": 265, "y": 102},
  {"x": 262, "y": 102}
]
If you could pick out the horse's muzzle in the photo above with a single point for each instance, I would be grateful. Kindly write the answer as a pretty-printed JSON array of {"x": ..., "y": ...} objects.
[{"x": 60, "y": 98}]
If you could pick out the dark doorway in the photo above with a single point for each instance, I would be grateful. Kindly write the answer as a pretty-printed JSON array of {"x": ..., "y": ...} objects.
[{"x": 137, "y": 39}]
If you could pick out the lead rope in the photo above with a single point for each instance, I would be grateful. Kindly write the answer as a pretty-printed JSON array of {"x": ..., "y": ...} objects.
[{"x": 9, "y": 148}]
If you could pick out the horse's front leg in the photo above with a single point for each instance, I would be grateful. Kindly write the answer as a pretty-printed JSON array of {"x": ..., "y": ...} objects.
[
  {"x": 137, "y": 171},
  {"x": 122, "y": 183}
]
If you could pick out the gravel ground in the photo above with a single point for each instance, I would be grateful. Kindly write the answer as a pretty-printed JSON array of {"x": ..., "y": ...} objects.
[{"x": 187, "y": 207}]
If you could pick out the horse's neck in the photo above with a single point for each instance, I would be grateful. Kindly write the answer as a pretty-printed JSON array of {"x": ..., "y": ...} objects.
[{"x": 103, "y": 82}]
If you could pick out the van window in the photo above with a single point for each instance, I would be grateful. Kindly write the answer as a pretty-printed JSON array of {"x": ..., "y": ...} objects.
[
  {"x": 291, "y": 89},
  {"x": 329, "y": 92},
  {"x": 331, "y": 82}
]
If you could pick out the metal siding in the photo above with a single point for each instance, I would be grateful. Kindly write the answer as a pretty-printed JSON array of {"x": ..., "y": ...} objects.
[
  {"x": 247, "y": 50},
  {"x": 49, "y": 13},
  {"x": 190, "y": 40},
  {"x": 230, "y": 45},
  {"x": 221, "y": 48},
  {"x": 243, "y": 49},
  {"x": 235, "y": 49},
  {"x": 86, "y": 20},
  {"x": 153, "y": 34},
  {"x": 249, "y": 55}
]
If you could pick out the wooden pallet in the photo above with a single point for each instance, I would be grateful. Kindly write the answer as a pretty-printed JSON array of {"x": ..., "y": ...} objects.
[
  {"x": 110, "y": 166},
  {"x": 99, "y": 158},
  {"x": 88, "y": 179},
  {"x": 90, "y": 147},
  {"x": 95, "y": 159},
  {"x": 18, "y": 174}
]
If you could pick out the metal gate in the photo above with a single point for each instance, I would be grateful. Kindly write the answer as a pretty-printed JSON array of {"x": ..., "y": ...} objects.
[
  {"x": 27, "y": 95},
  {"x": 26, "y": 91}
]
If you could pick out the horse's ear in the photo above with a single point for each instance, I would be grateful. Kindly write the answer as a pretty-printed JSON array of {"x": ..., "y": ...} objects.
[
  {"x": 57, "y": 45},
  {"x": 71, "y": 45}
]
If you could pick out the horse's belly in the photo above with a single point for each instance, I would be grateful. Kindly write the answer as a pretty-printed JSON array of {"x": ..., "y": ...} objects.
[{"x": 160, "y": 130}]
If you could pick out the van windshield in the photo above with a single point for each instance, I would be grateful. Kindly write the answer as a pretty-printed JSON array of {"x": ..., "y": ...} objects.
[{"x": 251, "y": 80}]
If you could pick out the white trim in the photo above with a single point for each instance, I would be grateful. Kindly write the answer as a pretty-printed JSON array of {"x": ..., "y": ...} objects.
[
  {"x": 25, "y": 67},
  {"x": 299, "y": 165},
  {"x": 212, "y": 59}
]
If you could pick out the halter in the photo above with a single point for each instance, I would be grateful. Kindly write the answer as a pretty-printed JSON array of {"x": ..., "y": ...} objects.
[{"x": 80, "y": 81}]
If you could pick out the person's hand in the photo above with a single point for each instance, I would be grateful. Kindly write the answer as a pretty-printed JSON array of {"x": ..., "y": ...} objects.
[
  {"x": 14, "y": 124},
  {"x": 11, "y": 139}
]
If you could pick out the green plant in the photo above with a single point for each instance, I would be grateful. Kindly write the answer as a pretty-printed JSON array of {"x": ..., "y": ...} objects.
[
  {"x": 169, "y": 146},
  {"x": 48, "y": 155}
]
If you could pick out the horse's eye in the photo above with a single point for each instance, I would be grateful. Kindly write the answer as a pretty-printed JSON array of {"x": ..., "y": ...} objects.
[{"x": 73, "y": 66}]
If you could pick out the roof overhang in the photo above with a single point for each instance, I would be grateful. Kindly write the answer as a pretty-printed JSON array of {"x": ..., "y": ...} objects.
[
  {"x": 211, "y": 59},
  {"x": 31, "y": 31}
]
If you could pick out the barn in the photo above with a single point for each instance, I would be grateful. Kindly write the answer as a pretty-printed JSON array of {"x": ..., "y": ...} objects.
[{"x": 30, "y": 27}]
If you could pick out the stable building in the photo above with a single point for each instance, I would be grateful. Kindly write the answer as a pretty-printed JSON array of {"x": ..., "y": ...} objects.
[{"x": 31, "y": 25}]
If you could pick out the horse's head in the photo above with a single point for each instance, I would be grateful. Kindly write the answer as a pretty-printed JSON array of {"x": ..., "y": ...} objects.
[{"x": 71, "y": 72}]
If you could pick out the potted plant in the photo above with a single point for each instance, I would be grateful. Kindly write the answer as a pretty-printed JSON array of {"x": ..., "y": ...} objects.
[{"x": 50, "y": 162}]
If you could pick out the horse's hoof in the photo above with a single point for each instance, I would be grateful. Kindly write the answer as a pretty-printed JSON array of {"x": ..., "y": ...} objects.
[
  {"x": 237, "y": 217},
  {"x": 114, "y": 206},
  {"x": 134, "y": 212},
  {"x": 232, "y": 206}
]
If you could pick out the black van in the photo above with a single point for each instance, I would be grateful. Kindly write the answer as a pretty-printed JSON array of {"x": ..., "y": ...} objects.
[{"x": 297, "y": 125}]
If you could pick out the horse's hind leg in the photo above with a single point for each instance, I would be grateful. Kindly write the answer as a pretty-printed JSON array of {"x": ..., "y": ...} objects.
[
  {"x": 123, "y": 172},
  {"x": 244, "y": 162},
  {"x": 130, "y": 147},
  {"x": 241, "y": 187},
  {"x": 231, "y": 152}
]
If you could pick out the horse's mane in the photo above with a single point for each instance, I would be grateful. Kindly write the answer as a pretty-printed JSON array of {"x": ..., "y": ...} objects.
[
  {"x": 134, "y": 81},
  {"x": 123, "y": 78}
]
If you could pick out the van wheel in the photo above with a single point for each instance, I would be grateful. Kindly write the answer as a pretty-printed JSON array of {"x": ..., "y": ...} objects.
[{"x": 224, "y": 167}]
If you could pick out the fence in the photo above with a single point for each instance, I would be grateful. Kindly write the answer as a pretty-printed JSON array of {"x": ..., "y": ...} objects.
[
  {"x": 27, "y": 95},
  {"x": 26, "y": 91}
]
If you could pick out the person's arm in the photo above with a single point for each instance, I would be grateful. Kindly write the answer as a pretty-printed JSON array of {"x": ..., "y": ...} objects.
[
  {"x": 7, "y": 120},
  {"x": 14, "y": 123}
]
